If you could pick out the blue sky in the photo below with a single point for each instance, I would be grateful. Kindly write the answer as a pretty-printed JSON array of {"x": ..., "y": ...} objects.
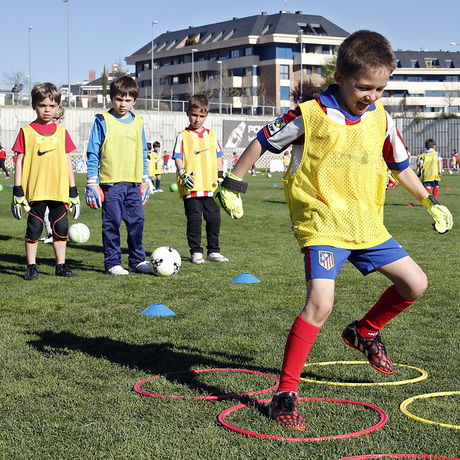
[{"x": 103, "y": 32}]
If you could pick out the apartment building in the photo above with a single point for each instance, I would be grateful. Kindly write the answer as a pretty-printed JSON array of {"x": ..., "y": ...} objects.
[
  {"x": 254, "y": 63},
  {"x": 246, "y": 62},
  {"x": 424, "y": 83}
]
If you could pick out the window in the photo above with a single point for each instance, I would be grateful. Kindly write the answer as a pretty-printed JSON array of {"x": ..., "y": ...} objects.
[
  {"x": 414, "y": 63},
  {"x": 319, "y": 71},
  {"x": 285, "y": 93},
  {"x": 284, "y": 52},
  {"x": 284, "y": 72}
]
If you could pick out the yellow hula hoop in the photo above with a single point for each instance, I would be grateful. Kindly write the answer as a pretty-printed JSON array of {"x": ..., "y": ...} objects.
[
  {"x": 405, "y": 403},
  {"x": 423, "y": 375}
]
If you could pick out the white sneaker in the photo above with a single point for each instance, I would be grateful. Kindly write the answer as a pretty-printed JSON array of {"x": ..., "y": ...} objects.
[
  {"x": 197, "y": 258},
  {"x": 48, "y": 240},
  {"x": 117, "y": 270},
  {"x": 158, "y": 190},
  {"x": 216, "y": 257},
  {"x": 142, "y": 267}
]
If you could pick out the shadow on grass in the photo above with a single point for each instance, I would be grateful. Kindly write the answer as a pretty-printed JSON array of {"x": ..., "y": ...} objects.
[{"x": 153, "y": 359}]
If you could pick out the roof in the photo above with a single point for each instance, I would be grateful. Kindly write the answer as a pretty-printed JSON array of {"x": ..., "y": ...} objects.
[
  {"x": 264, "y": 24},
  {"x": 438, "y": 59}
]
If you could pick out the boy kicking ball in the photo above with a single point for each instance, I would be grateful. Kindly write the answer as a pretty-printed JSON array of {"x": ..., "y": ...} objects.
[{"x": 335, "y": 191}]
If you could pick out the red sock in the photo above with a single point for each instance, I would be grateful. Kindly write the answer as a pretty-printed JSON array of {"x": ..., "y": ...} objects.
[
  {"x": 390, "y": 304},
  {"x": 435, "y": 191},
  {"x": 298, "y": 345}
]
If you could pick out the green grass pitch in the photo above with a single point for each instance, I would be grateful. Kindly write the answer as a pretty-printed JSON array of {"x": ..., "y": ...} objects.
[{"x": 71, "y": 350}]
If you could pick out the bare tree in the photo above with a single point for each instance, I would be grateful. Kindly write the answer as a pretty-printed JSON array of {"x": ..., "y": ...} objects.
[{"x": 15, "y": 79}]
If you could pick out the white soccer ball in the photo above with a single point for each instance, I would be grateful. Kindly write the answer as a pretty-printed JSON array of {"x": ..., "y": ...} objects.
[
  {"x": 269, "y": 175},
  {"x": 450, "y": 171},
  {"x": 78, "y": 233},
  {"x": 165, "y": 261}
]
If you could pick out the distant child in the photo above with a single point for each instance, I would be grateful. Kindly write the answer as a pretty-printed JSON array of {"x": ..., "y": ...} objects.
[
  {"x": 2, "y": 162},
  {"x": 199, "y": 161},
  {"x": 285, "y": 161},
  {"x": 235, "y": 159},
  {"x": 48, "y": 239},
  {"x": 430, "y": 167},
  {"x": 44, "y": 179},
  {"x": 155, "y": 167},
  {"x": 455, "y": 163},
  {"x": 117, "y": 178},
  {"x": 335, "y": 191},
  {"x": 166, "y": 157}
]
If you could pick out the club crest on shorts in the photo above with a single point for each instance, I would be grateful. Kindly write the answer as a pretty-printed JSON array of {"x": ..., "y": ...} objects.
[{"x": 326, "y": 259}]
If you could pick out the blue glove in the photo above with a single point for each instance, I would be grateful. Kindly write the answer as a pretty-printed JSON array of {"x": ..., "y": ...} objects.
[
  {"x": 146, "y": 189},
  {"x": 74, "y": 202},
  {"x": 94, "y": 195},
  {"x": 187, "y": 180},
  {"x": 18, "y": 202}
]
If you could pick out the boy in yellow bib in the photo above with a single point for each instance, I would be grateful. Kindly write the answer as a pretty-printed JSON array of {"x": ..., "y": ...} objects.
[
  {"x": 199, "y": 161},
  {"x": 335, "y": 191},
  {"x": 118, "y": 179},
  {"x": 44, "y": 179}
]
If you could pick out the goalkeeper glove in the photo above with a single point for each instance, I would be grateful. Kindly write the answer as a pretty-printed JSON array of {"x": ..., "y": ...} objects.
[
  {"x": 187, "y": 180},
  {"x": 441, "y": 215},
  {"x": 94, "y": 195},
  {"x": 220, "y": 179},
  {"x": 146, "y": 189},
  {"x": 74, "y": 202},
  {"x": 18, "y": 202},
  {"x": 228, "y": 196}
]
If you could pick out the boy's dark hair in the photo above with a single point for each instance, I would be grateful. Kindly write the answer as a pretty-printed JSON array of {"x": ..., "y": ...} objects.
[
  {"x": 198, "y": 101},
  {"x": 124, "y": 86},
  {"x": 43, "y": 90},
  {"x": 365, "y": 51},
  {"x": 156, "y": 145},
  {"x": 149, "y": 146},
  {"x": 430, "y": 144}
]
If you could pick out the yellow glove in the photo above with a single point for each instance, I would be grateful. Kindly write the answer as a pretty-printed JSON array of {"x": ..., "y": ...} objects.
[
  {"x": 228, "y": 196},
  {"x": 441, "y": 215}
]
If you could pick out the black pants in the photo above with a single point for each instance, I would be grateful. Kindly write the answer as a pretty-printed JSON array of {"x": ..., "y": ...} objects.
[
  {"x": 57, "y": 216},
  {"x": 194, "y": 209},
  {"x": 2, "y": 166}
]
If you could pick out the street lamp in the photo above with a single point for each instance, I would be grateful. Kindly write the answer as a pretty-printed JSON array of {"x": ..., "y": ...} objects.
[
  {"x": 301, "y": 65},
  {"x": 151, "y": 65},
  {"x": 220, "y": 88},
  {"x": 30, "y": 67},
  {"x": 68, "y": 49},
  {"x": 193, "y": 70}
]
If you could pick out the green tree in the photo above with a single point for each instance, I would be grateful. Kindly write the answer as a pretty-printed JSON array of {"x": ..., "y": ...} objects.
[
  {"x": 328, "y": 70},
  {"x": 104, "y": 84}
]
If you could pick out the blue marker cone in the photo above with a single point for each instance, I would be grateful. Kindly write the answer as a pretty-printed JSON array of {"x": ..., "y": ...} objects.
[
  {"x": 158, "y": 309},
  {"x": 245, "y": 278}
]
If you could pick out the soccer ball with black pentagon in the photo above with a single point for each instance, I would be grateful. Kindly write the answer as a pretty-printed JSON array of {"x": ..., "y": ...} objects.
[{"x": 165, "y": 261}]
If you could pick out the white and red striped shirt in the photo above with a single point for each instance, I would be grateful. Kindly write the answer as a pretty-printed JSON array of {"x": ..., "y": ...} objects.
[{"x": 288, "y": 131}]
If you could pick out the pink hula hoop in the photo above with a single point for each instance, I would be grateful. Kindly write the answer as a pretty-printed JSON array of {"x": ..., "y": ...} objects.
[
  {"x": 383, "y": 420},
  {"x": 137, "y": 387}
]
